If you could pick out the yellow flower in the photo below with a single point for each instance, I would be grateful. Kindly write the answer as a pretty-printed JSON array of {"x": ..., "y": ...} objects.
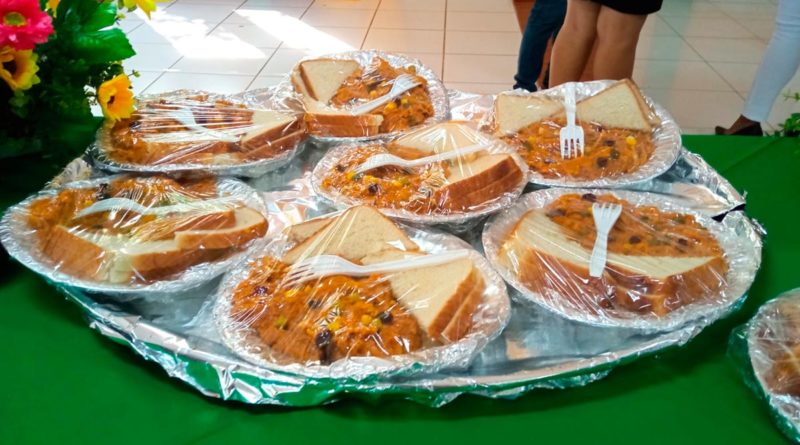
[
  {"x": 147, "y": 6},
  {"x": 116, "y": 98},
  {"x": 53, "y": 5},
  {"x": 18, "y": 68}
]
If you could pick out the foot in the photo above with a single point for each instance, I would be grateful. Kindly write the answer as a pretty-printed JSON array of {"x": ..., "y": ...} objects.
[{"x": 742, "y": 127}]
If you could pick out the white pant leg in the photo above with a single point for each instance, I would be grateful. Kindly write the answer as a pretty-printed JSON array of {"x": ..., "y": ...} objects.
[{"x": 780, "y": 63}]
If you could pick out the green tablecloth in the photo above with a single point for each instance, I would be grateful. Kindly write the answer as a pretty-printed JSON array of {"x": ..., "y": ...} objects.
[{"x": 64, "y": 383}]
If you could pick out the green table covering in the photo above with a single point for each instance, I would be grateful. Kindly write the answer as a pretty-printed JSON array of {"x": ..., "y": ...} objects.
[{"x": 63, "y": 383}]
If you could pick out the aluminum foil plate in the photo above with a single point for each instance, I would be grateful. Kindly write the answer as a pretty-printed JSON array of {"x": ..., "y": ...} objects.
[
  {"x": 264, "y": 99},
  {"x": 18, "y": 239},
  {"x": 489, "y": 320},
  {"x": 739, "y": 239},
  {"x": 436, "y": 90},
  {"x": 452, "y": 221},
  {"x": 666, "y": 137},
  {"x": 538, "y": 348}
]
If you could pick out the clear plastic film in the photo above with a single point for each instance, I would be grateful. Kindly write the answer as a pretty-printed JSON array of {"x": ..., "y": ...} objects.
[
  {"x": 767, "y": 351},
  {"x": 376, "y": 298},
  {"x": 339, "y": 90},
  {"x": 666, "y": 265},
  {"x": 124, "y": 234},
  {"x": 628, "y": 137},
  {"x": 243, "y": 135},
  {"x": 470, "y": 175}
]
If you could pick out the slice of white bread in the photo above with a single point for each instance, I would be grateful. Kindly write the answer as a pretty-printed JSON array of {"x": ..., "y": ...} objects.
[
  {"x": 547, "y": 261},
  {"x": 619, "y": 106},
  {"x": 515, "y": 111},
  {"x": 323, "y": 77},
  {"x": 297, "y": 233},
  {"x": 473, "y": 179},
  {"x": 354, "y": 234},
  {"x": 442, "y": 298},
  {"x": 267, "y": 126},
  {"x": 120, "y": 259},
  {"x": 276, "y": 146},
  {"x": 326, "y": 121}
]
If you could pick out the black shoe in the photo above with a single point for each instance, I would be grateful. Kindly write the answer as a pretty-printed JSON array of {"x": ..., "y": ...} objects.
[{"x": 750, "y": 130}]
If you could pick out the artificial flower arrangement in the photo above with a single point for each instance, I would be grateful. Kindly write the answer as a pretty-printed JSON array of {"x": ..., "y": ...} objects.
[{"x": 57, "y": 58}]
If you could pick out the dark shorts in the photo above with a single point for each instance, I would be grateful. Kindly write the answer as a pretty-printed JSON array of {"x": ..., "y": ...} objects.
[{"x": 637, "y": 7}]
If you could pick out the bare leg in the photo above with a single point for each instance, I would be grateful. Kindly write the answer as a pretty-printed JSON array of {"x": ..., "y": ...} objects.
[
  {"x": 617, "y": 37},
  {"x": 574, "y": 42}
]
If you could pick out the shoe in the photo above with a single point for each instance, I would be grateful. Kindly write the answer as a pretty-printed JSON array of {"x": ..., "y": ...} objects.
[{"x": 750, "y": 130}]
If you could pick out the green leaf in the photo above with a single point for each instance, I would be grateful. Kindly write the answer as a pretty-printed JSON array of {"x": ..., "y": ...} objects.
[
  {"x": 104, "y": 16},
  {"x": 103, "y": 46}
]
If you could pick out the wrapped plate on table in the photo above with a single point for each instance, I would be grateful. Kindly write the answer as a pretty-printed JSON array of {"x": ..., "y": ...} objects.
[
  {"x": 628, "y": 137},
  {"x": 445, "y": 174},
  {"x": 366, "y": 94},
  {"x": 124, "y": 234},
  {"x": 767, "y": 352},
  {"x": 185, "y": 131},
  {"x": 352, "y": 295},
  {"x": 665, "y": 264}
]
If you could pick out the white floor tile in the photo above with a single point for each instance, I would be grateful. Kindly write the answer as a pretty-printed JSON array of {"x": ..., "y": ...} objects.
[
  {"x": 479, "y": 68},
  {"x": 481, "y": 5},
  {"x": 346, "y": 4},
  {"x": 782, "y": 110},
  {"x": 665, "y": 48},
  {"x": 326, "y": 39},
  {"x": 153, "y": 57},
  {"x": 405, "y": 40},
  {"x": 681, "y": 75},
  {"x": 695, "y": 9},
  {"x": 221, "y": 47},
  {"x": 208, "y": 2},
  {"x": 408, "y": 19},
  {"x": 359, "y": 18},
  {"x": 497, "y": 43},
  {"x": 749, "y": 11},
  {"x": 284, "y": 60},
  {"x": 270, "y": 4},
  {"x": 210, "y": 14},
  {"x": 656, "y": 26},
  {"x": 418, "y": 5},
  {"x": 265, "y": 17},
  {"x": 255, "y": 35},
  {"x": 129, "y": 25},
  {"x": 432, "y": 61},
  {"x": 728, "y": 50},
  {"x": 168, "y": 31},
  {"x": 479, "y": 88},
  {"x": 264, "y": 82},
  {"x": 707, "y": 27},
  {"x": 741, "y": 75},
  {"x": 762, "y": 28},
  {"x": 207, "y": 82},
  {"x": 245, "y": 65},
  {"x": 482, "y": 21},
  {"x": 699, "y": 109},
  {"x": 144, "y": 80}
]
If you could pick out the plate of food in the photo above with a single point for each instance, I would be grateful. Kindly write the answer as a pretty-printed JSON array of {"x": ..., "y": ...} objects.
[
  {"x": 190, "y": 131},
  {"x": 444, "y": 173},
  {"x": 125, "y": 234},
  {"x": 350, "y": 95},
  {"x": 665, "y": 265},
  {"x": 768, "y": 349},
  {"x": 628, "y": 138},
  {"x": 412, "y": 300}
]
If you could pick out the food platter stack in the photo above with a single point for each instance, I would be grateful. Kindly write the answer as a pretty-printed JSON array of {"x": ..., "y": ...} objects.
[{"x": 359, "y": 229}]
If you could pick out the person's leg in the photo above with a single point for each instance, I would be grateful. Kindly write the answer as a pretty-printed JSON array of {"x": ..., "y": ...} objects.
[
  {"x": 574, "y": 43},
  {"x": 617, "y": 37},
  {"x": 781, "y": 61},
  {"x": 545, "y": 16}
]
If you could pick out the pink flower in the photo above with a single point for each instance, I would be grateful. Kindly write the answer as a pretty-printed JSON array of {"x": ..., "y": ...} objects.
[{"x": 23, "y": 25}]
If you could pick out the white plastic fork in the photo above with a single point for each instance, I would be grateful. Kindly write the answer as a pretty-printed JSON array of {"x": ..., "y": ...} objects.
[
  {"x": 327, "y": 265},
  {"x": 572, "y": 142},
  {"x": 400, "y": 85},
  {"x": 605, "y": 215},
  {"x": 380, "y": 160},
  {"x": 185, "y": 116}
]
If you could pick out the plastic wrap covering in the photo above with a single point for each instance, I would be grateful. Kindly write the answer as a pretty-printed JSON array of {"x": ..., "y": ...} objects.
[
  {"x": 460, "y": 174},
  {"x": 666, "y": 265},
  {"x": 192, "y": 130},
  {"x": 375, "y": 298},
  {"x": 767, "y": 352},
  {"x": 628, "y": 138},
  {"x": 125, "y": 234},
  {"x": 350, "y": 95}
]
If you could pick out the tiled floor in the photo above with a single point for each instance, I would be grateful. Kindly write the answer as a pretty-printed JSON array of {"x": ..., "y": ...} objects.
[{"x": 697, "y": 57}]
